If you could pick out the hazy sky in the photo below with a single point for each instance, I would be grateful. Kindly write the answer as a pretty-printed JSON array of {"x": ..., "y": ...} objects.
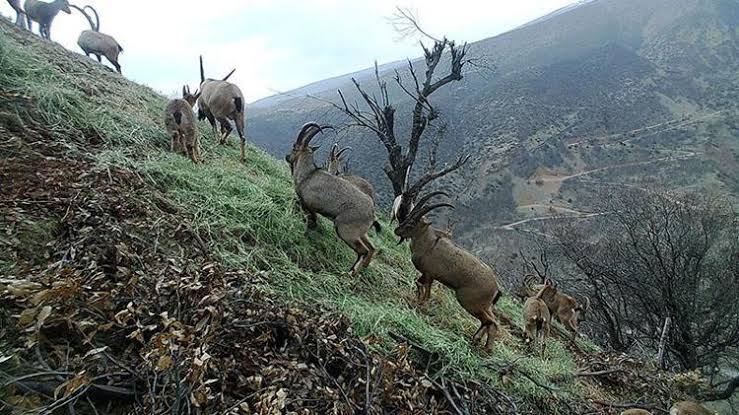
[{"x": 278, "y": 45}]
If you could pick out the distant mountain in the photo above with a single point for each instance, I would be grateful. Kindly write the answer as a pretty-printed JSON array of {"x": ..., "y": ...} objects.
[{"x": 602, "y": 93}]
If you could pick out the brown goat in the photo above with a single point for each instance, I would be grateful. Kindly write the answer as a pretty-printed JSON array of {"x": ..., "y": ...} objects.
[
  {"x": 320, "y": 192},
  {"x": 44, "y": 13},
  {"x": 536, "y": 320},
  {"x": 333, "y": 166},
  {"x": 20, "y": 15},
  {"x": 563, "y": 307},
  {"x": 438, "y": 258},
  {"x": 222, "y": 101},
  {"x": 689, "y": 408},
  {"x": 179, "y": 120}
]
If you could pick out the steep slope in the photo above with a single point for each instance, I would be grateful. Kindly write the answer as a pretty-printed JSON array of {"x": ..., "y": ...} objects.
[
  {"x": 128, "y": 275},
  {"x": 602, "y": 93}
]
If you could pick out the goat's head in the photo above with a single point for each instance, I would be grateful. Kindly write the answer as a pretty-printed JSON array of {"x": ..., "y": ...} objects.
[
  {"x": 190, "y": 97},
  {"x": 302, "y": 143},
  {"x": 415, "y": 220},
  {"x": 63, "y": 5},
  {"x": 333, "y": 164}
]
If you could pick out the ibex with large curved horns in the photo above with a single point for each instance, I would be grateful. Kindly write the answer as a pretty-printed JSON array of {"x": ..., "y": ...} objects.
[
  {"x": 222, "y": 101},
  {"x": 20, "y": 18},
  {"x": 44, "y": 13},
  {"x": 334, "y": 166},
  {"x": 438, "y": 258},
  {"x": 96, "y": 43},
  {"x": 320, "y": 192}
]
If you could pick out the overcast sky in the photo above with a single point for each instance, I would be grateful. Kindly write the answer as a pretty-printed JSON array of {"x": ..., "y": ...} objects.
[{"x": 278, "y": 45}]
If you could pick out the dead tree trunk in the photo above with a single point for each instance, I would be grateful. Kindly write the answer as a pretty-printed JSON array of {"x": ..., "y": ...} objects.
[{"x": 661, "y": 358}]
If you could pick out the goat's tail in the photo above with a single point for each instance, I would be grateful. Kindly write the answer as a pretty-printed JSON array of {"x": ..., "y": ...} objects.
[
  {"x": 239, "y": 103},
  {"x": 377, "y": 226},
  {"x": 497, "y": 297},
  {"x": 177, "y": 117},
  {"x": 539, "y": 322}
]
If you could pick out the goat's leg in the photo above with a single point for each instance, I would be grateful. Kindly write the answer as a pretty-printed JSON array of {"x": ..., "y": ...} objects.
[
  {"x": 370, "y": 254},
  {"x": 310, "y": 215},
  {"x": 492, "y": 329},
  {"x": 173, "y": 142},
  {"x": 423, "y": 289},
  {"x": 242, "y": 136},
  {"x": 225, "y": 129},
  {"x": 30, "y": 23},
  {"x": 347, "y": 233}
]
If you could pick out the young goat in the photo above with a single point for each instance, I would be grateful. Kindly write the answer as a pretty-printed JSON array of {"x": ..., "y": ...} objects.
[
  {"x": 562, "y": 306},
  {"x": 636, "y": 412},
  {"x": 352, "y": 211},
  {"x": 536, "y": 320},
  {"x": 20, "y": 15},
  {"x": 689, "y": 408},
  {"x": 438, "y": 258},
  {"x": 333, "y": 166},
  {"x": 179, "y": 120},
  {"x": 44, "y": 14},
  {"x": 222, "y": 101},
  {"x": 96, "y": 43}
]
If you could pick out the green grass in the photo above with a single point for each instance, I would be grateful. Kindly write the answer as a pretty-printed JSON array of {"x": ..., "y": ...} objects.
[{"x": 250, "y": 216}]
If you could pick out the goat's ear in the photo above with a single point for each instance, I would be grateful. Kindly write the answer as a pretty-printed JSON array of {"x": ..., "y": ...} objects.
[
  {"x": 184, "y": 91},
  {"x": 197, "y": 94}
]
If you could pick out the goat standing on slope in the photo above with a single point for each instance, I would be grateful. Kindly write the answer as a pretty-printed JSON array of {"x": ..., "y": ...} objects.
[
  {"x": 179, "y": 120},
  {"x": 565, "y": 308},
  {"x": 96, "y": 43},
  {"x": 438, "y": 258},
  {"x": 536, "y": 319},
  {"x": 333, "y": 166},
  {"x": 320, "y": 192},
  {"x": 222, "y": 101},
  {"x": 44, "y": 14},
  {"x": 20, "y": 15}
]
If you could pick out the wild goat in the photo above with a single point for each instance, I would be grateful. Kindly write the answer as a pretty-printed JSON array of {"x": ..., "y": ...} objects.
[
  {"x": 636, "y": 412},
  {"x": 44, "y": 14},
  {"x": 352, "y": 211},
  {"x": 222, "y": 101},
  {"x": 96, "y": 43},
  {"x": 438, "y": 258},
  {"x": 179, "y": 120},
  {"x": 333, "y": 166},
  {"x": 20, "y": 15},
  {"x": 536, "y": 319},
  {"x": 689, "y": 408},
  {"x": 562, "y": 306}
]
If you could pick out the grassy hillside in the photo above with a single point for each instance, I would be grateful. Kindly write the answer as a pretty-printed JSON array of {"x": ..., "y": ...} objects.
[{"x": 89, "y": 189}]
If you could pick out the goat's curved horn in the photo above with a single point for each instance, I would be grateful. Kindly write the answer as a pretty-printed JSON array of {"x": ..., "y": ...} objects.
[
  {"x": 306, "y": 127},
  {"x": 332, "y": 154},
  {"x": 310, "y": 133},
  {"x": 338, "y": 155},
  {"x": 417, "y": 213},
  {"x": 428, "y": 197}
]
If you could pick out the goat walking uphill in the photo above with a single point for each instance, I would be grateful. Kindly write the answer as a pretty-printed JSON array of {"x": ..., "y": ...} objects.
[
  {"x": 179, "y": 120},
  {"x": 320, "y": 192},
  {"x": 222, "y": 101},
  {"x": 44, "y": 13},
  {"x": 438, "y": 258},
  {"x": 565, "y": 308},
  {"x": 334, "y": 166},
  {"x": 20, "y": 15},
  {"x": 97, "y": 43},
  {"x": 536, "y": 319}
]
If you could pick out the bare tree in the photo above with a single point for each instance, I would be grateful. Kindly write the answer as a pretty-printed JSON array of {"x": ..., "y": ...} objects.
[
  {"x": 659, "y": 256},
  {"x": 378, "y": 114}
]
